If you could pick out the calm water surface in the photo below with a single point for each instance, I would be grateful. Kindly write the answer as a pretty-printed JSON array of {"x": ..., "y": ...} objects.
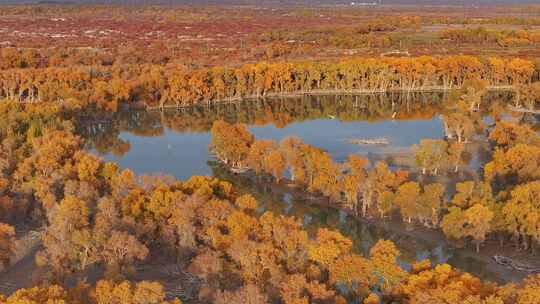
[
  {"x": 177, "y": 144},
  {"x": 186, "y": 154}
]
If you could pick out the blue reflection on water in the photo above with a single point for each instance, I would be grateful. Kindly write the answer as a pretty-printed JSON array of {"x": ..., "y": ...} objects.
[{"x": 185, "y": 154}]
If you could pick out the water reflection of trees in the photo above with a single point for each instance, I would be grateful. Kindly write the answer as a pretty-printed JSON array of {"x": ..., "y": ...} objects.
[
  {"x": 102, "y": 130},
  {"x": 363, "y": 234},
  {"x": 103, "y": 134}
]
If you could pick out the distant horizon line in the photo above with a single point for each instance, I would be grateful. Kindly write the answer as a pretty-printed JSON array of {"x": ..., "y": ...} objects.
[{"x": 435, "y": 3}]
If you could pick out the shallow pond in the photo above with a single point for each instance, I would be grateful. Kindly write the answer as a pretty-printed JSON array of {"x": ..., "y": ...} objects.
[
  {"x": 176, "y": 143},
  {"x": 186, "y": 154}
]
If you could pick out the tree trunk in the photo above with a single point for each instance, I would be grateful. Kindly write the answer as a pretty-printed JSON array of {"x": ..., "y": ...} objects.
[
  {"x": 365, "y": 204},
  {"x": 364, "y": 209},
  {"x": 516, "y": 241}
]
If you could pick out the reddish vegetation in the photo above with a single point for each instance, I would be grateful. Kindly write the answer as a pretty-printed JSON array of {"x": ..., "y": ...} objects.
[{"x": 213, "y": 35}]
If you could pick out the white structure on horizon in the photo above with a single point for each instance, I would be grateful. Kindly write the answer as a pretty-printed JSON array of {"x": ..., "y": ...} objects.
[{"x": 379, "y": 2}]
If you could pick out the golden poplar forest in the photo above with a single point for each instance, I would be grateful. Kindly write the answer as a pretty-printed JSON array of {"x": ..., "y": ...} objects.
[
  {"x": 176, "y": 86},
  {"x": 76, "y": 80}
]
